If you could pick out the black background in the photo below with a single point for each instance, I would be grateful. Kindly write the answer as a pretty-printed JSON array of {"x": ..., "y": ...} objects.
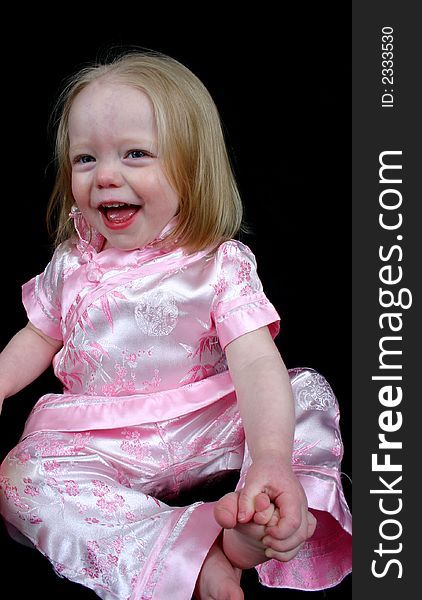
[{"x": 281, "y": 84}]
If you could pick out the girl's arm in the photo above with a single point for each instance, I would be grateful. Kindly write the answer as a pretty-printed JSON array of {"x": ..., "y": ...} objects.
[
  {"x": 266, "y": 406},
  {"x": 26, "y": 356},
  {"x": 264, "y": 394}
]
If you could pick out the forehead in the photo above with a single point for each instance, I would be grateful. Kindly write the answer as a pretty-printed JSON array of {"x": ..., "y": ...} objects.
[{"x": 110, "y": 104}]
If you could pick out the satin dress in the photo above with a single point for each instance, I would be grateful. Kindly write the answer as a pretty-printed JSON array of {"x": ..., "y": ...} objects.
[{"x": 148, "y": 412}]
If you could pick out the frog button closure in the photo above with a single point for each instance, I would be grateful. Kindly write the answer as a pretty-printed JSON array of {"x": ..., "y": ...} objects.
[{"x": 94, "y": 272}]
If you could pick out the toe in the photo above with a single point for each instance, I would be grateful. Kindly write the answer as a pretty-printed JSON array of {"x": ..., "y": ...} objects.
[
  {"x": 273, "y": 521},
  {"x": 265, "y": 517},
  {"x": 262, "y": 502},
  {"x": 225, "y": 511}
]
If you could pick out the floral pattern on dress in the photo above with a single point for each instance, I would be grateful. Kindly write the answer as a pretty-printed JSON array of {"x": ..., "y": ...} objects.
[
  {"x": 317, "y": 394},
  {"x": 156, "y": 313}
]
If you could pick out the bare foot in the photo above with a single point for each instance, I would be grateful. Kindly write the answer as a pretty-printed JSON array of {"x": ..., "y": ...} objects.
[
  {"x": 242, "y": 542},
  {"x": 218, "y": 579}
]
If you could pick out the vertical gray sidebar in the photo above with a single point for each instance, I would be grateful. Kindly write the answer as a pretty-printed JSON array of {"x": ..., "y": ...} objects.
[{"x": 387, "y": 323}]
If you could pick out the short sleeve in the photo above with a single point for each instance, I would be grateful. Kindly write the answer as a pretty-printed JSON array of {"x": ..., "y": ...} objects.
[
  {"x": 41, "y": 296},
  {"x": 240, "y": 304}
]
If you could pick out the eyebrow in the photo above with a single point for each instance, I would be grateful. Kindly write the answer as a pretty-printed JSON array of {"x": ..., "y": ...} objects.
[{"x": 132, "y": 143}]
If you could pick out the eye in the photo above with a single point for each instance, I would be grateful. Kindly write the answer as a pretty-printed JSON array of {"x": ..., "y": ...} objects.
[
  {"x": 83, "y": 159},
  {"x": 136, "y": 154}
]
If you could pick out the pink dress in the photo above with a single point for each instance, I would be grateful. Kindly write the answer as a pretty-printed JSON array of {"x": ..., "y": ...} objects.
[{"x": 148, "y": 411}]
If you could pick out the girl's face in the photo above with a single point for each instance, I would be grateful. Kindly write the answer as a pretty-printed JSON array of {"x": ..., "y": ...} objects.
[{"x": 118, "y": 180}]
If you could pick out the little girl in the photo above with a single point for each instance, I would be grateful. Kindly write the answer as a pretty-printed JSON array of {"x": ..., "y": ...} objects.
[{"x": 158, "y": 328}]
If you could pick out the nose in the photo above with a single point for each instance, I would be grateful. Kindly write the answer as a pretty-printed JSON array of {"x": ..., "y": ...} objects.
[{"x": 108, "y": 175}]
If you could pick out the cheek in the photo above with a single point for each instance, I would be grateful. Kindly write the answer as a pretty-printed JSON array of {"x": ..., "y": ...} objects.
[
  {"x": 169, "y": 205},
  {"x": 169, "y": 197},
  {"x": 78, "y": 188},
  {"x": 74, "y": 186}
]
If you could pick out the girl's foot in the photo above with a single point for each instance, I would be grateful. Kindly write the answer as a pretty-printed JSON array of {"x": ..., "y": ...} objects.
[
  {"x": 218, "y": 579},
  {"x": 242, "y": 543}
]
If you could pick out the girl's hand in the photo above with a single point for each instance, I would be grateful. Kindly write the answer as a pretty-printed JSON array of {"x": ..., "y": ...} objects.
[{"x": 269, "y": 475}]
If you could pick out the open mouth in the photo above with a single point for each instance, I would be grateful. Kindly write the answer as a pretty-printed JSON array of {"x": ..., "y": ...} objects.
[{"x": 118, "y": 213}]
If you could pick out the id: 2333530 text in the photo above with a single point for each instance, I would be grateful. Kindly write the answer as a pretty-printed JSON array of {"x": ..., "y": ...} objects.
[{"x": 387, "y": 67}]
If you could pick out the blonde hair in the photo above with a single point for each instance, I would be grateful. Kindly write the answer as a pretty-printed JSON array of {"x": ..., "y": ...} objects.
[{"x": 190, "y": 142}]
